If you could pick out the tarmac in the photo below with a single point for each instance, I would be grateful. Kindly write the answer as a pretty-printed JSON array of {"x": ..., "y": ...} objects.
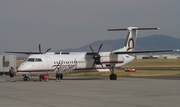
[{"x": 91, "y": 92}]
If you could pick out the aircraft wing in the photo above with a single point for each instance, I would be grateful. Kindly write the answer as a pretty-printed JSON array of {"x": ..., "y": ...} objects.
[
  {"x": 28, "y": 52},
  {"x": 91, "y": 53},
  {"x": 21, "y": 52},
  {"x": 145, "y": 51}
]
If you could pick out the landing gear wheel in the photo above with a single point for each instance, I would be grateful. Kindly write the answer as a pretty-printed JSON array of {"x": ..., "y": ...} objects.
[
  {"x": 113, "y": 77},
  {"x": 26, "y": 78},
  {"x": 61, "y": 76}
]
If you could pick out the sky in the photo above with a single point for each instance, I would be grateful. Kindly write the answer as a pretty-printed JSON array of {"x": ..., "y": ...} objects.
[{"x": 61, "y": 24}]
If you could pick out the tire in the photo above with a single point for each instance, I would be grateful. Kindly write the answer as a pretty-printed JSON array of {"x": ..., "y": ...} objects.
[
  {"x": 61, "y": 76},
  {"x": 25, "y": 78},
  {"x": 113, "y": 77}
]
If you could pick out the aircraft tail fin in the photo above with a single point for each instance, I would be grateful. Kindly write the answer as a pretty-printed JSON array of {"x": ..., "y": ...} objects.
[{"x": 129, "y": 44}]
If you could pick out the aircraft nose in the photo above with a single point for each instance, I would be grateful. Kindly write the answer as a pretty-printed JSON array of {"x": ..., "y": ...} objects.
[
  {"x": 24, "y": 67},
  {"x": 20, "y": 69}
]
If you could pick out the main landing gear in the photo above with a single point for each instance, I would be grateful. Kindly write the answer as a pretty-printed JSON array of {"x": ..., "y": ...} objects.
[
  {"x": 113, "y": 76},
  {"x": 61, "y": 76}
]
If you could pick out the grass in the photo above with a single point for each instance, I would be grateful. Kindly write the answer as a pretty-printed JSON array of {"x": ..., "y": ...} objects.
[
  {"x": 18, "y": 62},
  {"x": 154, "y": 63},
  {"x": 150, "y": 63}
]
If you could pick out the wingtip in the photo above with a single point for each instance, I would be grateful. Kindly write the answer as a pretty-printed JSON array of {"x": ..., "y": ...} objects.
[{"x": 177, "y": 50}]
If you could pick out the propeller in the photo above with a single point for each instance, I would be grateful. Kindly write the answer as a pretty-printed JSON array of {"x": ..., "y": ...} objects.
[
  {"x": 57, "y": 65},
  {"x": 45, "y": 51},
  {"x": 96, "y": 56}
]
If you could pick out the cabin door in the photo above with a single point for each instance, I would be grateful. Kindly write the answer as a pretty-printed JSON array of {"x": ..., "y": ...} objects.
[{"x": 49, "y": 63}]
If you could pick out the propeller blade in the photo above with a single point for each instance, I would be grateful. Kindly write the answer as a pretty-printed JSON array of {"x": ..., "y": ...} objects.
[
  {"x": 94, "y": 63},
  {"x": 102, "y": 66},
  {"x": 91, "y": 48},
  {"x": 57, "y": 65},
  {"x": 47, "y": 50},
  {"x": 40, "y": 48},
  {"x": 100, "y": 47}
]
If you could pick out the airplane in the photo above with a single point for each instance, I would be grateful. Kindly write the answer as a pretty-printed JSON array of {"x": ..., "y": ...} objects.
[{"x": 74, "y": 62}]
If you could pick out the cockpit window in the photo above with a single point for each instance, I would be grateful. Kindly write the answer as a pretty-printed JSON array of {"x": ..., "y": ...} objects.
[
  {"x": 38, "y": 60},
  {"x": 30, "y": 60},
  {"x": 34, "y": 60}
]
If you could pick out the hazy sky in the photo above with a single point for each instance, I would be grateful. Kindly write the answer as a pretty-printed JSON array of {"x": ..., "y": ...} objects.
[{"x": 62, "y": 24}]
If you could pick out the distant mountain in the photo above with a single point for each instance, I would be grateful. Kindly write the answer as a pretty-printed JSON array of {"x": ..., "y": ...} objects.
[
  {"x": 144, "y": 43},
  {"x": 158, "y": 42}
]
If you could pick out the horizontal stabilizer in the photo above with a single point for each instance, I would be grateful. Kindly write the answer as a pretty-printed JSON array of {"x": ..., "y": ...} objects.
[
  {"x": 145, "y": 51},
  {"x": 133, "y": 28}
]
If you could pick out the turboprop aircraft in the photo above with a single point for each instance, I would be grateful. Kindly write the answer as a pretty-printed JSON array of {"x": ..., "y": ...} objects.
[{"x": 73, "y": 62}]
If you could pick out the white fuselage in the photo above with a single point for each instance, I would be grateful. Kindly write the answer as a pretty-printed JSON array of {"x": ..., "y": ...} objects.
[{"x": 71, "y": 63}]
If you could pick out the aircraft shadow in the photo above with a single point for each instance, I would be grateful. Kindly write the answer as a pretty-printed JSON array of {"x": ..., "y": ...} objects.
[
  {"x": 36, "y": 79},
  {"x": 85, "y": 78}
]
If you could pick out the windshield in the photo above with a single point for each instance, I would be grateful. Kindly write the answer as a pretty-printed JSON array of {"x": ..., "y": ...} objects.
[
  {"x": 38, "y": 60},
  {"x": 34, "y": 60},
  {"x": 30, "y": 60}
]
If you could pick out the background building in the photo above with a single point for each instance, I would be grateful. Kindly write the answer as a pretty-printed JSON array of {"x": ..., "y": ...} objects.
[{"x": 152, "y": 56}]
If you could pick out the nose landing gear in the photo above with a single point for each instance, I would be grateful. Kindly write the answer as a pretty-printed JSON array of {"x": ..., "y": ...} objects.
[{"x": 26, "y": 78}]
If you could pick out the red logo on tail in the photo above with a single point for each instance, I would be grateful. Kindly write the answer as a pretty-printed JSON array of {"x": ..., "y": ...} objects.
[{"x": 130, "y": 44}]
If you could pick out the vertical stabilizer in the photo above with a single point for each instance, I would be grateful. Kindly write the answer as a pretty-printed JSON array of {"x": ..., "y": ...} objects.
[{"x": 130, "y": 42}]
